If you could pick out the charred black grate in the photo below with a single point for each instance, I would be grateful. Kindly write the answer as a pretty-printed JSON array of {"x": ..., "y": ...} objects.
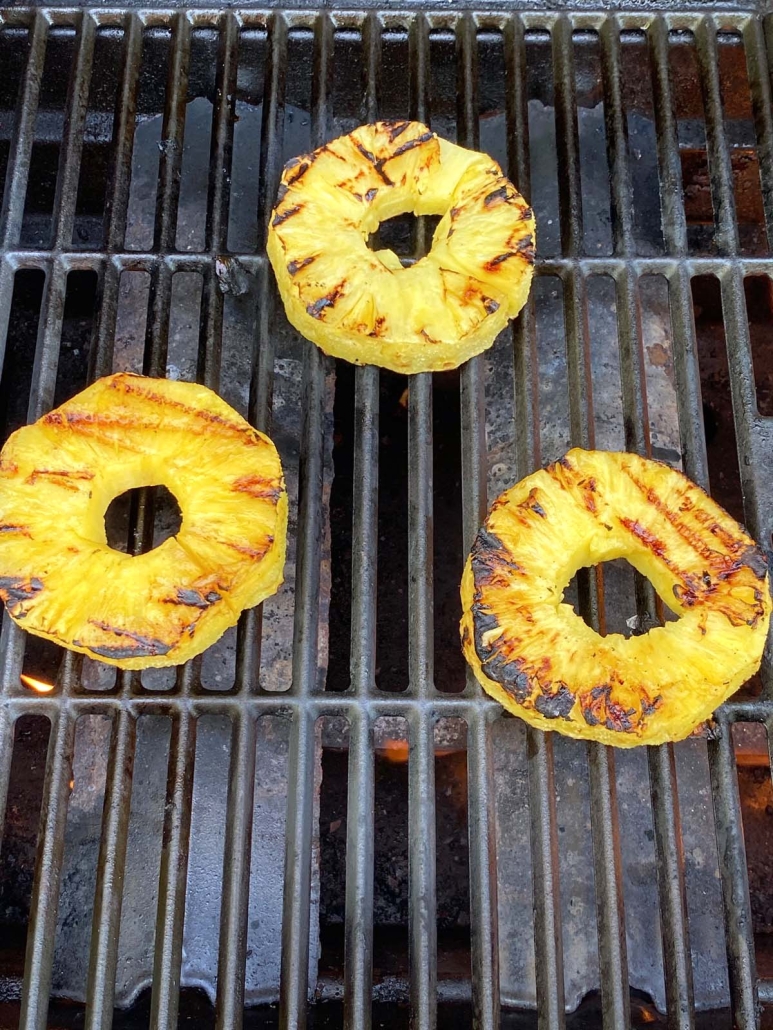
[{"x": 144, "y": 148}]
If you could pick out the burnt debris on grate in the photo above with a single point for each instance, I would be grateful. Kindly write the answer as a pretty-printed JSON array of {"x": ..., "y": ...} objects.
[{"x": 323, "y": 812}]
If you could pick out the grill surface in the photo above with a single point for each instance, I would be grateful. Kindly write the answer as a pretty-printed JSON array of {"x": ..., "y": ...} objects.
[{"x": 299, "y": 57}]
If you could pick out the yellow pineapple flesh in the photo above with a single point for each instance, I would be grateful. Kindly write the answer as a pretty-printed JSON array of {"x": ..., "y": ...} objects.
[
  {"x": 362, "y": 305},
  {"x": 535, "y": 655},
  {"x": 58, "y": 576}
]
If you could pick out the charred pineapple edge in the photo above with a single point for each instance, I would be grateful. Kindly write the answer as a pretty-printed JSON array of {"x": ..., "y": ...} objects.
[{"x": 580, "y": 730}]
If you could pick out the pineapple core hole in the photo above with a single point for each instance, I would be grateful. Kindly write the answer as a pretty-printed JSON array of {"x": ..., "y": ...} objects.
[
  {"x": 121, "y": 516},
  {"x": 400, "y": 234},
  {"x": 619, "y": 610}
]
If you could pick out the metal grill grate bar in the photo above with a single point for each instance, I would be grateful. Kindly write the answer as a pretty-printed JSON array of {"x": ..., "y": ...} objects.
[
  {"x": 108, "y": 893},
  {"x": 548, "y": 941},
  {"x": 52, "y": 308},
  {"x": 18, "y": 168},
  {"x": 173, "y": 875},
  {"x": 735, "y": 883},
  {"x": 41, "y": 932},
  {"x": 762, "y": 108},
  {"x": 234, "y": 906},
  {"x": 617, "y": 139},
  {"x": 670, "y": 166},
  {"x": 358, "y": 943},
  {"x": 294, "y": 985},
  {"x": 720, "y": 167},
  {"x": 366, "y": 456},
  {"x": 422, "y": 897},
  {"x": 218, "y": 198},
  {"x": 117, "y": 200},
  {"x": 72, "y": 135},
  {"x": 677, "y": 964},
  {"x": 167, "y": 203},
  {"x": 483, "y": 872},
  {"x": 421, "y": 659},
  {"x": 262, "y": 383},
  {"x": 482, "y": 840}
]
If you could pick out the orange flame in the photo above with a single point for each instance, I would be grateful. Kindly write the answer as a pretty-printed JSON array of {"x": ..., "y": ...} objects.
[
  {"x": 396, "y": 750},
  {"x": 38, "y": 685}
]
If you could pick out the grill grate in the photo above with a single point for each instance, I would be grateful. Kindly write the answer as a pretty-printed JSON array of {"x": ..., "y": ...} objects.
[{"x": 421, "y": 704}]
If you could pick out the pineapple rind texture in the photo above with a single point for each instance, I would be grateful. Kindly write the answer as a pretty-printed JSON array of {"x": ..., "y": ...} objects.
[
  {"x": 58, "y": 576},
  {"x": 540, "y": 660},
  {"x": 362, "y": 305}
]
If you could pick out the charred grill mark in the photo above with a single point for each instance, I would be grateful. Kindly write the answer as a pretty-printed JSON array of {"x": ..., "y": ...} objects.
[
  {"x": 525, "y": 246},
  {"x": 527, "y": 215},
  {"x": 489, "y": 559},
  {"x": 742, "y": 554},
  {"x": 395, "y": 129},
  {"x": 378, "y": 165},
  {"x": 281, "y": 193},
  {"x": 495, "y": 263},
  {"x": 55, "y": 474},
  {"x": 127, "y": 384},
  {"x": 12, "y": 527},
  {"x": 556, "y": 706},
  {"x": 194, "y": 598},
  {"x": 302, "y": 167},
  {"x": 378, "y": 327},
  {"x": 712, "y": 557},
  {"x": 257, "y": 486},
  {"x": 490, "y": 305},
  {"x": 754, "y": 559},
  {"x": 650, "y": 707},
  {"x": 411, "y": 145},
  {"x": 294, "y": 267},
  {"x": 279, "y": 219},
  {"x": 252, "y": 552},
  {"x": 125, "y": 652},
  {"x": 509, "y": 674},
  {"x": 328, "y": 301},
  {"x": 589, "y": 494},
  {"x": 427, "y": 337},
  {"x": 496, "y": 195},
  {"x": 654, "y": 543},
  {"x": 533, "y": 504},
  {"x": 145, "y": 646},
  {"x": 15, "y": 590},
  {"x": 598, "y": 708},
  {"x": 371, "y": 194}
]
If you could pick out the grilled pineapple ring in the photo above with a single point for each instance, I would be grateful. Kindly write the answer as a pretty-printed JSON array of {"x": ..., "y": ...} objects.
[
  {"x": 58, "y": 576},
  {"x": 362, "y": 305},
  {"x": 542, "y": 662}
]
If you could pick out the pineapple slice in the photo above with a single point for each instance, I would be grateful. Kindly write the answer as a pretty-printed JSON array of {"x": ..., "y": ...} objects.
[
  {"x": 362, "y": 305},
  {"x": 58, "y": 576},
  {"x": 540, "y": 660}
]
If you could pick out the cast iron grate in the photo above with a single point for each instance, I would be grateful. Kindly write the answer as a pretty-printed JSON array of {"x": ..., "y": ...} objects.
[{"x": 66, "y": 236}]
